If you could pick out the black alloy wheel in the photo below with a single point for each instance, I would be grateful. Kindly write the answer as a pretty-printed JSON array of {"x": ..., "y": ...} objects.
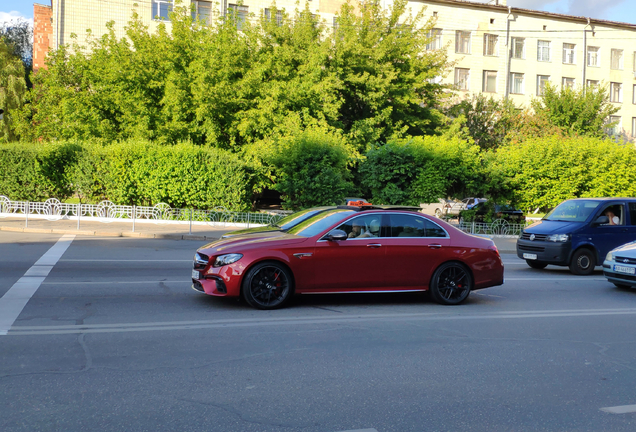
[
  {"x": 267, "y": 285},
  {"x": 582, "y": 263},
  {"x": 451, "y": 284},
  {"x": 537, "y": 264}
]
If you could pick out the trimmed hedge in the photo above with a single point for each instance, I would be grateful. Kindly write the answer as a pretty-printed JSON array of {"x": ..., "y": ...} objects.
[{"x": 136, "y": 172}]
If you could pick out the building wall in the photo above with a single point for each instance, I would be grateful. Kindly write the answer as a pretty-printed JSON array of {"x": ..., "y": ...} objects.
[
  {"x": 42, "y": 33},
  {"x": 76, "y": 16}
]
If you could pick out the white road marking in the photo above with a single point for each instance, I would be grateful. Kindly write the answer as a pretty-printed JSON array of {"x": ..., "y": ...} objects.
[
  {"x": 305, "y": 320},
  {"x": 361, "y": 430},
  {"x": 556, "y": 278},
  {"x": 14, "y": 300},
  {"x": 122, "y": 260},
  {"x": 107, "y": 282},
  {"x": 622, "y": 409}
]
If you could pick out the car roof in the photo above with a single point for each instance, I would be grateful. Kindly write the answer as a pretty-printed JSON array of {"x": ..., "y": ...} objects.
[
  {"x": 602, "y": 198},
  {"x": 380, "y": 207}
]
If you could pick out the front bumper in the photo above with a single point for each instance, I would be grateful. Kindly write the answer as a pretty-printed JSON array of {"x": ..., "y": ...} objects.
[
  {"x": 616, "y": 277},
  {"x": 218, "y": 281},
  {"x": 557, "y": 253}
]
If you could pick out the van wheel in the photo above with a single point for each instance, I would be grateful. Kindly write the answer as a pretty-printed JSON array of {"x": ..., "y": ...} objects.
[
  {"x": 582, "y": 262},
  {"x": 537, "y": 264}
]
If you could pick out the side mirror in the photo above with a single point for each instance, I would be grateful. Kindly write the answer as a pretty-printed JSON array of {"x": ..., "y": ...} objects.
[
  {"x": 336, "y": 235},
  {"x": 601, "y": 220}
]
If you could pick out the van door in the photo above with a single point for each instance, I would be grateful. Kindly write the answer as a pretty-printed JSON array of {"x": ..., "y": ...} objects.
[{"x": 613, "y": 234}]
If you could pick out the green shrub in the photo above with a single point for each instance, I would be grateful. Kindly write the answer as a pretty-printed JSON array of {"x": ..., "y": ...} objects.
[
  {"x": 311, "y": 168},
  {"x": 36, "y": 172},
  {"x": 422, "y": 169}
]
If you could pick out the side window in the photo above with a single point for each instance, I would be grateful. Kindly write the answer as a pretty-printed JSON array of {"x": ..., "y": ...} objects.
[
  {"x": 434, "y": 230},
  {"x": 362, "y": 226},
  {"x": 615, "y": 214},
  {"x": 632, "y": 212}
]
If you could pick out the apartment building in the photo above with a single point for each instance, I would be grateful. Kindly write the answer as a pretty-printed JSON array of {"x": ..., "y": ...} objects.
[{"x": 497, "y": 50}]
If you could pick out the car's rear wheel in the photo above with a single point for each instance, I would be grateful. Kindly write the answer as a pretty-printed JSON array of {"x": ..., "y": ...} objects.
[
  {"x": 537, "y": 264},
  {"x": 267, "y": 285},
  {"x": 438, "y": 212},
  {"x": 451, "y": 283},
  {"x": 582, "y": 262},
  {"x": 621, "y": 286}
]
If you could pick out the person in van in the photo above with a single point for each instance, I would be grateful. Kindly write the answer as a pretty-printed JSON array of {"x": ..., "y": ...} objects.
[{"x": 613, "y": 219}]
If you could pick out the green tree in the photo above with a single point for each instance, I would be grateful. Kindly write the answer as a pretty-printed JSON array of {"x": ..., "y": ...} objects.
[
  {"x": 488, "y": 121},
  {"x": 12, "y": 89},
  {"x": 580, "y": 111},
  {"x": 18, "y": 36}
]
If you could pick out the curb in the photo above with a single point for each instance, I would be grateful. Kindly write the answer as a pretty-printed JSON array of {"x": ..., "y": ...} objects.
[{"x": 113, "y": 234}]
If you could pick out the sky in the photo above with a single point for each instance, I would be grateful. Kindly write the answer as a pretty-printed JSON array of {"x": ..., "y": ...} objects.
[{"x": 612, "y": 10}]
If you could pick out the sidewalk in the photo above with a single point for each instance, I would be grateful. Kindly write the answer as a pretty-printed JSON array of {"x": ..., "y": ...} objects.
[{"x": 153, "y": 230}]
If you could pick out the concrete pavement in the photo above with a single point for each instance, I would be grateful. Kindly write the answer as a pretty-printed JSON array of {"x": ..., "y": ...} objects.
[{"x": 151, "y": 229}]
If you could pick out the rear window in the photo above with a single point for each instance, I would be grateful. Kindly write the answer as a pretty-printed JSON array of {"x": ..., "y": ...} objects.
[
  {"x": 573, "y": 211},
  {"x": 632, "y": 212}
]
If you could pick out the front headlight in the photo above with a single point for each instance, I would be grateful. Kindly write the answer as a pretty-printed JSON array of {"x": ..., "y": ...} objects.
[
  {"x": 558, "y": 238},
  {"x": 609, "y": 257},
  {"x": 223, "y": 260}
]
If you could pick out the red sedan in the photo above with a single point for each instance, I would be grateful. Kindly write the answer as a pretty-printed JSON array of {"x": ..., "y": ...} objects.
[{"x": 350, "y": 250}]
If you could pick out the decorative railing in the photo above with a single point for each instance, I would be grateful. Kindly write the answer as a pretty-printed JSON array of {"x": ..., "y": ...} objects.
[
  {"x": 500, "y": 227},
  {"x": 106, "y": 211}
]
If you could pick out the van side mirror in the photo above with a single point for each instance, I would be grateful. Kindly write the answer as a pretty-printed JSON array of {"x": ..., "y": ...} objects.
[
  {"x": 336, "y": 235},
  {"x": 601, "y": 220}
]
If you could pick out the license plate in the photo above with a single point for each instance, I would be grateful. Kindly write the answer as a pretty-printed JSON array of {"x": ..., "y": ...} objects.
[
  {"x": 196, "y": 274},
  {"x": 623, "y": 269},
  {"x": 529, "y": 256}
]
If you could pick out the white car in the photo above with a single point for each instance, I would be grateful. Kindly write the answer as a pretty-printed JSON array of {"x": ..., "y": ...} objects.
[{"x": 619, "y": 266}]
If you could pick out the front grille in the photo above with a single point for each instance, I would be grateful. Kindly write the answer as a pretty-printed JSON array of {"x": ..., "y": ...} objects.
[
  {"x": 531, "y": 248},
  {"x": 537, "y": 237},
  {"x": 621, "y": 260},
  {"x": 620, "y": 276},
  {"x": 200, "y": 261}
]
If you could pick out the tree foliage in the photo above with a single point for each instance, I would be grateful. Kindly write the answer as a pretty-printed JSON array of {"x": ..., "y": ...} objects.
[
  {"x": 579, "y": 111},
  {"x": 18, "y": 36},
  {"x": 12, "y": 89},
  {"x": 217, "y": 85}
]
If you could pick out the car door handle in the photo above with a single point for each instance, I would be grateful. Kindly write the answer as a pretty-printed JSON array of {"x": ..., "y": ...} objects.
[
  {"x": 435, "y": 246},
  {"x": 374, "y": 245}
]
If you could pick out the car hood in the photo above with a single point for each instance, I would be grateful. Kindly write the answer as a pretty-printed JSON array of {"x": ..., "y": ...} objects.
[
  {"x": 239, "y": 243},
  {"x": 553, "y": 227},
  {"x": 627, "y": 250},
  {"x": 268, "y": 229}
]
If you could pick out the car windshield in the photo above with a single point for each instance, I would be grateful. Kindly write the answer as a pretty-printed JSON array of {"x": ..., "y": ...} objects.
[
  {"x": 572, "y": 211},
  {"x": 296, "y": 218},
  {"x": 320, "y": 222}
]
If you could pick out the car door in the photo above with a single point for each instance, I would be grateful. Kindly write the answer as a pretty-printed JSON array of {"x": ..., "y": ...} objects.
[
  {"x": 608, "y": 236},
  {"x": 353, "y": 264},
  {"x": 415, "y": 247}
]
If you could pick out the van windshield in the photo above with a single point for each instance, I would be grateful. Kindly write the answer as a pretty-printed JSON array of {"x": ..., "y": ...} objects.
[{"x": 573, "y": 211}]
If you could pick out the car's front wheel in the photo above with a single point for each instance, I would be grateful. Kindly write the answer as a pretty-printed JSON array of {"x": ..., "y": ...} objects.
[
  {"x": 267, "y": 285},
  {"x": 451, "y": 283},
  {"x": 582, "y": 262},
  {"x": 536, "y": 264}
]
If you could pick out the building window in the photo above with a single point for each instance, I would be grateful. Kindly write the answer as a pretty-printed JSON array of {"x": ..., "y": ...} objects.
[
  {"x": 616, "y": 128},
  {"x": 617, "y": 59},
  {"x": 541, "y": 82},
  {"x": 634, "y": 95},
  {"x": 634, "y": 61},
  {"x": 567, "y": 82},
  {"x": 543, "y": 51},
  {"x": 593, "y": 56},
  {"x": 202, "y": 10},
  {"x": 518, "y": 48},
  {"x": 633, "y": 127},
  {"x": 616, "y": 92},
  {"x": 490, "y": 45},
  {"x": 436, "y": 39},
  {"x": 238, "y": 13},
  {"x": 568, "y": 53},
  {"x": 490, "y": 82},
  {"x": 516, "y": 83},
  {"x": 161, "y": 9},
  {"x": 592, "y": 84},
  {"x": 279, "y": 18},
  {"x": 462, "y": 79},
  {"x": 462, "y": 42}
]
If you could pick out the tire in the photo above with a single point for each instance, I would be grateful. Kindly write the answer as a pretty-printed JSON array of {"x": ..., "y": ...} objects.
[
  {"x": 537, "y": 264},
  {"x": 438, "y": 212},
  {"x": 267, "y": 285},
  {"x": 621, "y": 286},
  {"x": 451, "y": 284},
  {"x": 583, "y": 262}
]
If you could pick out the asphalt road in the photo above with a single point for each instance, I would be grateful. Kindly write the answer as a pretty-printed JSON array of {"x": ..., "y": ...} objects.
[{"x": 111, "y": 337}]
